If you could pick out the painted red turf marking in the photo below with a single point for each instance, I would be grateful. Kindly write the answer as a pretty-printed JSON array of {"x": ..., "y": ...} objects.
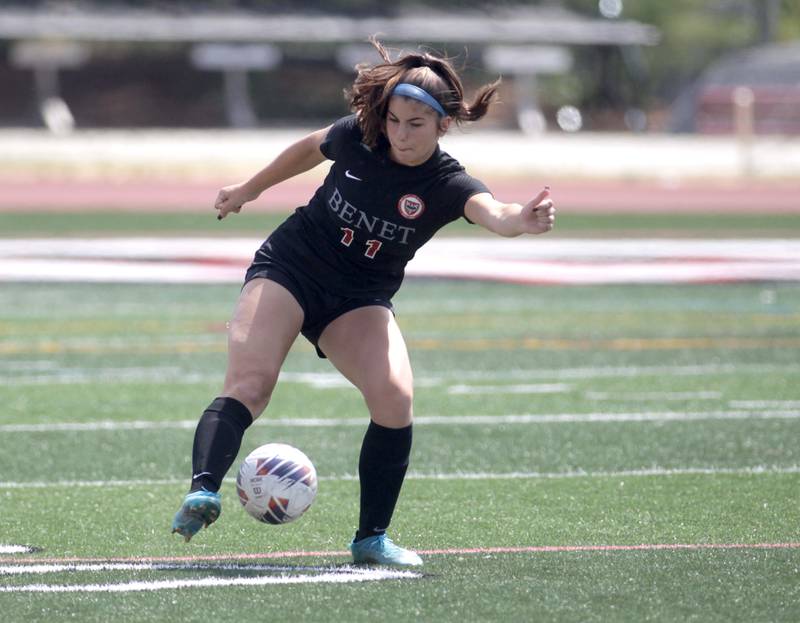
[
  {"x": 611, "y": 548},
  {"x": 534, "y": 549}
]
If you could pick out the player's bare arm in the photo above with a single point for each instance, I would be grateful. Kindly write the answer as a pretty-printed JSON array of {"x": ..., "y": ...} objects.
[
  {"x": 512, "y": 219},
  {"x": 299, "y": 157}
]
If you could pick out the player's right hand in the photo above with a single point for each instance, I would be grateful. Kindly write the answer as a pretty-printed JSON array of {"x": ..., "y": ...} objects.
[{"x": 231, "y": 199}]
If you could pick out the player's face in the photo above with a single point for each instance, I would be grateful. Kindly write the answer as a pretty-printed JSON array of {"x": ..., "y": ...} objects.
[{"x": 413, "y": 129}]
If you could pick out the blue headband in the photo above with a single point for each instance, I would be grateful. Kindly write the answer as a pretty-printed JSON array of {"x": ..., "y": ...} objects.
[{"x": 414, "y": 92}]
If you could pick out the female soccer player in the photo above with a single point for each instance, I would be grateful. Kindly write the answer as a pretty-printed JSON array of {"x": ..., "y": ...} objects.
[{"x": 330, "y": 270}]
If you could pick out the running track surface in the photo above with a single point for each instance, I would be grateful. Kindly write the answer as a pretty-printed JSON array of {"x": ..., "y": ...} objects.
[{"x": 757, "y": 197}]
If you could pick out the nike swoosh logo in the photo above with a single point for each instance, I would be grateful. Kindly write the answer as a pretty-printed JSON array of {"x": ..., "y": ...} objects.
[
  {"x": 196, "y": 476},
  {"x": 351, "y": 176}
]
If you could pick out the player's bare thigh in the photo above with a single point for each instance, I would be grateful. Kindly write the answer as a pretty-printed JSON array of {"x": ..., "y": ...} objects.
[
  {"x": 367, "y": 347},
  {"x": 266, "y": 322}
]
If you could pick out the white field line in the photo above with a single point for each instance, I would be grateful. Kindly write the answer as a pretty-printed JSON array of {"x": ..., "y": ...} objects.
[
  {"x": 338, "y": 576},
  {"x": 109, "y": 375},
  {"x": 332, "y": 380},
  {"x": 654, "y": 396},
  {"x": 438, "y": 266},
  {"x": 192, "y": 260},
  {"x": 159, "y": 375},
  {"x": 36, "y": 365},
  {"x": 765, "y": 404},
  {"x": 36, "y": 569},
  {"x": 601, "y": 418},
  {"x": 571, "y": 474},
  {"x": 591, "y": 372},
  {"x": 430, "y": 420},
  {"x": 15, "y": 549},
  {"x": 210, "y": 248},
  {"x": 547, "y": 388}
]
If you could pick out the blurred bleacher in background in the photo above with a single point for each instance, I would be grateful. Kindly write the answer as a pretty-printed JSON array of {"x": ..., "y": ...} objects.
[
  {"x": 117, "y": 82},
  {"x": 129, "y": 67}
]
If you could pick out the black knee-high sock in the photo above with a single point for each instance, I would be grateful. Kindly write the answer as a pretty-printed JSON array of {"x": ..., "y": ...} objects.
[
  {"x": 217, "y": 440},
  {"x": 381, "y": 470}
]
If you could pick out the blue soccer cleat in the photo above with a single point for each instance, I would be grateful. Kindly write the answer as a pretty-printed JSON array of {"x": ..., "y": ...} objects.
[
  {"x": 199, "y": 509},
  {"x": 379, "y": 550}
]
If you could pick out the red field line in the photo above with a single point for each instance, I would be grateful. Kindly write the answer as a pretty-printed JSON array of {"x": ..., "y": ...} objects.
[
  {"x": 534, "y": 549},
  {"x": 540, "y": 549}
]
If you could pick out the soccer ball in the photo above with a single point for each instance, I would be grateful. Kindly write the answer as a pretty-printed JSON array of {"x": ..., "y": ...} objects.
[{"x": 276, "y": 483}]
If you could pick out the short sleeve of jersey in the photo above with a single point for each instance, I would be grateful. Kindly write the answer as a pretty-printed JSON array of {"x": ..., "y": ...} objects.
[
  {"x": 342, "y": 132},
  {"x": 460, "y": 188}
]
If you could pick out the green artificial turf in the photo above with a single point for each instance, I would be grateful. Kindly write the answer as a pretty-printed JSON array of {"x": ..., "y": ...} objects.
[{"x": 633, "y": 448}]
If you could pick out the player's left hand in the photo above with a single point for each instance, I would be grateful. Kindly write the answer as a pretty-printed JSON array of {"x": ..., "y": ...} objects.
[{"x": 539, "y": 214}]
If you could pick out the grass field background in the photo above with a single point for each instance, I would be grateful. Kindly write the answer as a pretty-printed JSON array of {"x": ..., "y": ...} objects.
[
  {"x": 570, "y": 223},
  {"x": 577, "y": 422}
]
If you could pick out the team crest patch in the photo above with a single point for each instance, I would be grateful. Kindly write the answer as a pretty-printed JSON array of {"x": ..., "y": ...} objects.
[{"x": 411, "y": 206}]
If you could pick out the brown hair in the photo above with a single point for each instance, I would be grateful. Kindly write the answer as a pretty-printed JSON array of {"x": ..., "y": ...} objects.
[{"x": 373, "y": 86}]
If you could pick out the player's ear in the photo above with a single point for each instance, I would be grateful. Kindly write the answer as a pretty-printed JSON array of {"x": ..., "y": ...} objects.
[{"x": 444, "y": 125}]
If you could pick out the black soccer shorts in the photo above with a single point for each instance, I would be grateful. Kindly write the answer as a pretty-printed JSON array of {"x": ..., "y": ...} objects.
[{"x": 320, "y": 307}]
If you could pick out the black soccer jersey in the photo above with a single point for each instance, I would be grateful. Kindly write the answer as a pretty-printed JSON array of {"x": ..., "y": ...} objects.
[{"x": 370, "y": 215}]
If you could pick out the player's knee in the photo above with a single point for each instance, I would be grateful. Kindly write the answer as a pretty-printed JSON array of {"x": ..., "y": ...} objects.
[
  {"x": 392, "y": 401},
  {"x": 253, "y": 389}
]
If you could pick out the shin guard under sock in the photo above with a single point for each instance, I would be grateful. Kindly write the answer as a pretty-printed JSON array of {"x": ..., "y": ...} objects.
[
  {"x": 381, "y": 470},
  {"x": 217, "y": 440}
]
